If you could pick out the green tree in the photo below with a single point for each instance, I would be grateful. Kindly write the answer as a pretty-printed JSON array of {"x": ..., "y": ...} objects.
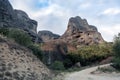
[
  {"x": 57, "y": 65},
  {"x": 116, "y": 50}
]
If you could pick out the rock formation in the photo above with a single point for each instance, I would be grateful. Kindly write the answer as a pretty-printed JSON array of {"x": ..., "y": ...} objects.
[
  {"x": 47, "y": 35},
  {"x": 79, "y": 32},
  {"x": 16, "y": 19},
  {"x": 19, "y": 63}
]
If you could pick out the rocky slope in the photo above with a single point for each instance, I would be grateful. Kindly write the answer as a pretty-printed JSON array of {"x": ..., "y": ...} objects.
[
  {"x": 17, "y": 19},
  {"x": 47, "y": 35},
  {"x": 19, "y": 63}
]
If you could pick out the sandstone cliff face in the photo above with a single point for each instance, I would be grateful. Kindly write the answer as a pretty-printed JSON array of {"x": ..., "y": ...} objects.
[
  {"x": 19, "y": 63},
  {"x": 79, "y": 32},
  {"x": 47, "y": 36},
  {"x": 16, "y": 19}
]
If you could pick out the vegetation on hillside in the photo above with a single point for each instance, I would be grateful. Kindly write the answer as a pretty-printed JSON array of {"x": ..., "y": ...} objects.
[
  {"x": 116, "y": 50},
  {"x": 85, "y": 55},
  {"x": 57, "y": 65},
  {"x": 22, "y": 38},
  {"x": 89, "y": 54}
]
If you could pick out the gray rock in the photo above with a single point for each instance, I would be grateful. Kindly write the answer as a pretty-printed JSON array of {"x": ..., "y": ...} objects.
[
  {"x": 47, "y": 35},
  {"x": 17, "y": 19},
  {"x": 79, "y": 32}
]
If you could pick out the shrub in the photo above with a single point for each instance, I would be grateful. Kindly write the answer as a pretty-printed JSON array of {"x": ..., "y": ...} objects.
[
  {"x": 116, "y": 50},
  {"x": 36, "y": 51},
  {"x": 57, "y": 65},
  {"x": 90, "y": 54},
  {"x": 4, "y": 31},
  {"x": 67, "y": 63},
  {"x": 20, "y": 37}
]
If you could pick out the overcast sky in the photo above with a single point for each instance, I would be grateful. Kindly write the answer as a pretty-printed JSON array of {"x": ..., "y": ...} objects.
[{"x": 53, "y": 15}]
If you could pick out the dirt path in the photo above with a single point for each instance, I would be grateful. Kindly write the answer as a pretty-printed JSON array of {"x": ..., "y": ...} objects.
[{"x": 85, "y": 75}]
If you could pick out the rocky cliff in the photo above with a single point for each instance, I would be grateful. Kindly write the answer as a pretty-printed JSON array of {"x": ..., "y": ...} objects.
[
  {"x": 19, "y": 63},
  {"x": 79, "y": 32},
  {"x": 16, "y": 19},
  {"x": 47, "y": 35}
]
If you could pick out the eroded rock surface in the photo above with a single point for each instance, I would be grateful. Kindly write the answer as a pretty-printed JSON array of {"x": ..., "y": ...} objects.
[
  {"x": 79, "y": 32},
  {"x": 10, "y": 17}
]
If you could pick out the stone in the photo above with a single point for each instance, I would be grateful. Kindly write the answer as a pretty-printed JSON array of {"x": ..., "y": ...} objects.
[
  {"x": 8, "y": 74},
  {"x": 2, "y": 68},
  {"x": 1, "y": 75},
  {"x": 78, "y": 65}
]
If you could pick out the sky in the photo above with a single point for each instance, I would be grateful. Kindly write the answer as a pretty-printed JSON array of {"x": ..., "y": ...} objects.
[{"x": 53, "y": 15}]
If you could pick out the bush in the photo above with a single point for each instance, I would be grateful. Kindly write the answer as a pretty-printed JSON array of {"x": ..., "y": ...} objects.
[
  {"x": 36, "y": 51},
  {"x": 89, "y": 54},
  {"x": 116, "y": 50},
  {"x": 67, "y": 63},
  {"x": 20, "y": 37},
  {"x": 4, "y": 31},
  {"x": 57, "y": 65}
]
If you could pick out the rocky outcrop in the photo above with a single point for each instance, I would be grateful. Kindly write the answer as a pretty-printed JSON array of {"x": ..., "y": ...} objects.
[
  {"x": 25, "y": 22},
  {"x": 79, "y": 32},
  {"x": 19, "y": 63},
  {"x": 16, "y": 19},
  {"x": 47, "y": 36},
  {"x": 54, "y": 50}
]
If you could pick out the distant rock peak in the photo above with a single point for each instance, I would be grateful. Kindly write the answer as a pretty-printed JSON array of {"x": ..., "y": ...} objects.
[
  {"x": 80, "y": 32},
  {"x": 47, "y": 35},
  {"x": 79, "y": 23}
]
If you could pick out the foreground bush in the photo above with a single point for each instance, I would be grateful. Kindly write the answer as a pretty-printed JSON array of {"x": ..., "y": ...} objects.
[
  {"x": 57, "y": 65},
  {"x": 36, "y": 51},
  {"x": 20, "y": 37},
  {"x": 116, "y": 50}
]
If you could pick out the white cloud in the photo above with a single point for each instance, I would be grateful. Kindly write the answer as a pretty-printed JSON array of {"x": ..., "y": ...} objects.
[
  {"x": 108, "y": 33},
  {"x": 54, "y": 17},
  {"x": 86, "y": 5},
  {"x": 111, "y": 11}
]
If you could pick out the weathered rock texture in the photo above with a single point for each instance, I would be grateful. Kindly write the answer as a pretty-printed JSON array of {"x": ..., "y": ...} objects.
[
  {"x": 47, "y": 36},
  {"x": 16, "y": 18},
  {"x": 79, "y": 32},
  {"x": 54, "y": 50},
  {"x": 19, "y": 63}
]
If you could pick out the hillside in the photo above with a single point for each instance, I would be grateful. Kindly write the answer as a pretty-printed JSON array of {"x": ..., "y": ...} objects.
[{"x": 19, "y": 63}]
